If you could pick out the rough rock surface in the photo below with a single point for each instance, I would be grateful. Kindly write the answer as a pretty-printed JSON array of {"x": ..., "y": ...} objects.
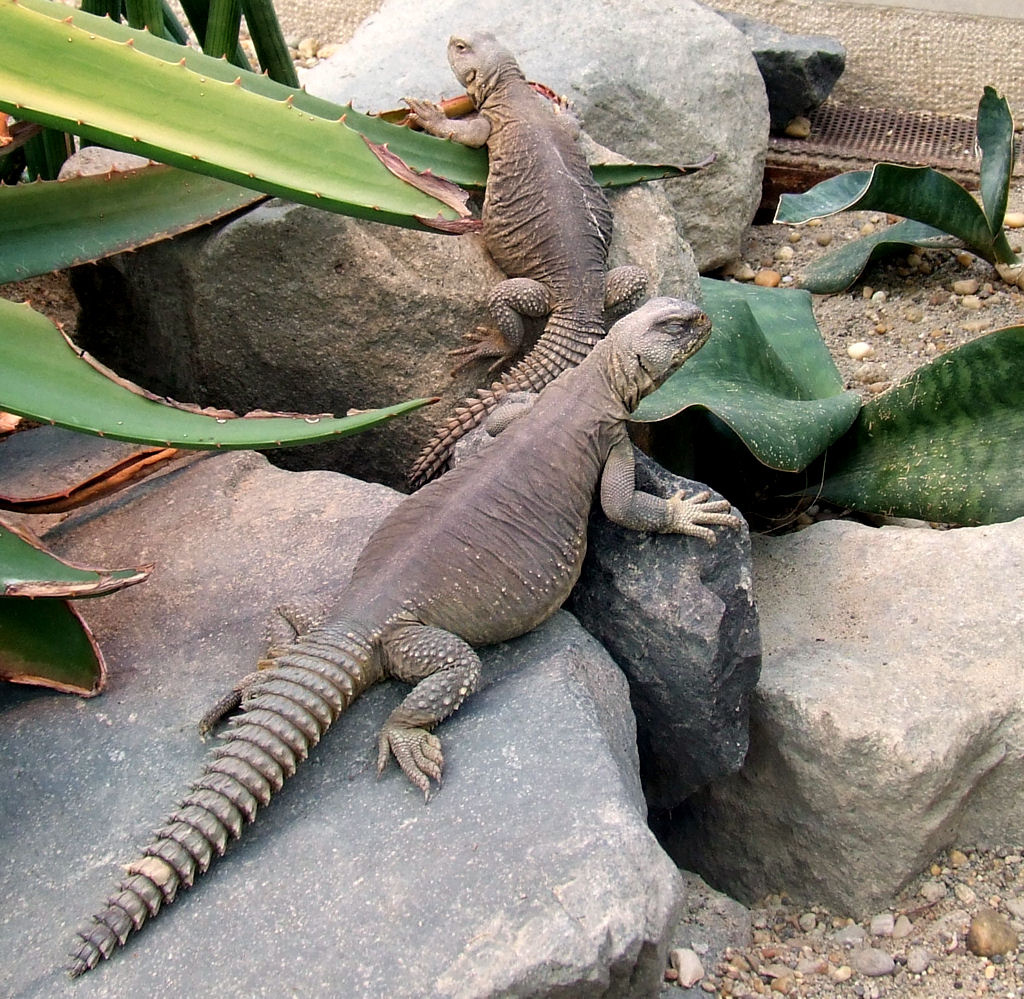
[
  {"x": 532, "y": 873},
  {"x": 289, "y": 308},
  {"x": 888, "y": 722},
  {"x": 654, "y": 81},
  {"x": 678, "y": 616},
  {"x": 799, "y": 70}
]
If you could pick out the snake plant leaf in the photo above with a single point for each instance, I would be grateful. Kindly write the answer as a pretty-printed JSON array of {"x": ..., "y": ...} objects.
[
  {"x": 765, "y": 372},
  {"x": 47, "y": 644},
  {"x": 51, "y": 225},
  {"x": 839, "y": 269},
  {"x": 29, "y": 569},
  {"x": 945, "y": 444},
  {"x": 995, "y": 140},
  {"x": 114, "y": 93},
  {"x": 42, "y": 377}
]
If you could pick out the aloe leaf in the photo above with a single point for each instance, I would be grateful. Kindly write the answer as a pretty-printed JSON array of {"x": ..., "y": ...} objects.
[
  {"x": 837, "y": 270},
  {"x": 271, "y": 50},
  {"x": 48, "y": 226},
  {"x": 113, "y": 93},
  {"x": 45, "y": 643},
  {"x": 28, "y": 569},
  {"x": 43, "y": 378},
  {"x": 995, "y": 139},
  {"x": 146, "y": 14},
  {"x": 766, "y": 373},
  {"x": 945, "y": 444},
  {"x": 223, "y": 23}
]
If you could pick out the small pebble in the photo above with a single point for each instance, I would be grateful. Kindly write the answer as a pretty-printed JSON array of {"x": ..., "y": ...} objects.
[
  {"x": 812, "y": 966},
  {"x": 841, "y": 974},
  {"x": 968, "y": 286},
  {"x": 850, "y": 936},
  {"x": 965, "y": 894},
  {"x": 866, "y": 374},
  {"x": 1015, "y": 907},
  {"x": 932, "y": 891},
  {"x": 867, "y": 228},
  {"x": 860, "y": 350},
  {"x": 976, "y": 326},
  {"x": 307, "y": 48},
  {"x": 918, "y": 960},
  {"x": 964, "y": 259},
  {"x": 1013, "y": 220},
  {"x": 902, "y": 928},
  {"x": 823, "y": 238},
  {"x": 326, "y": 51},
  {"x": 914, "y": 260},
  {"x": 990, "y": 933},
  {"x": 766, "y": 278},
  {"x": 938, "y": 298},
  {"x": 882, "y": 925},
  {"x": 687, "y": 966},
  {"x": 872, "y": 962},
  {"x": 785, "y": 253},
  {"x": 795, "y": 236},
  {"x": 744, "y": 273},
  {"x": 880, "y": 296},
  {"x": 807, "y": 922},
  {"x": 799, "y": 127},
  {"x": 971, "y": 302},
  {"x": 867, "y": 291},
  {"x": 913, "y": 314},
  {"x": 783, "y": 986}
]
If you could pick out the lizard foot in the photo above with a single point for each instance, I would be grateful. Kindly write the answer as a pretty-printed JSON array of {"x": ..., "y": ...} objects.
[
  {"x": 690, "y": 514},
  {"x": 417, "y": 752},
  {"x": 485, "y": 342}
]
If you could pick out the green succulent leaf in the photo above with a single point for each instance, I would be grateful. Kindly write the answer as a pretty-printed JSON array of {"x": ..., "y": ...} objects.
[
  {"x": 45, "y": 643},
  {"x": 43, "y": 378},
  {"x": 839, "y": 269},
  {"x": 28, "y": 569},
  {"x": 995, "y": 139},
  {"x": 51, "y": 225},
  {"x": 945, "y": 444},
  {"x": 168, "y": 107},
  {"x": 766, "y": 373}
]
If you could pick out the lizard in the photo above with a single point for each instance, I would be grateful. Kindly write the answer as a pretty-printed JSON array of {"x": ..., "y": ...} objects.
[
  {"x": 546, "y": 223},
  {"x": 481, "y": 555}
]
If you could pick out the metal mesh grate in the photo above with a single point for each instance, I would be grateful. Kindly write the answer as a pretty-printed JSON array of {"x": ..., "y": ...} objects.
[{"x": 915, "y": 138}]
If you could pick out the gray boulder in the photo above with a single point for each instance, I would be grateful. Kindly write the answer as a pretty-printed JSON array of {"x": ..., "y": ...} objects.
[
  {"x": 678, "y": 616},
  {"x": 889, "y": 719},
  {"x": 799, "y": 70},
  {"x": 293, "y": 309},
  {"x": 657, "y": 82},
  {"x": 532, "y": 873}
]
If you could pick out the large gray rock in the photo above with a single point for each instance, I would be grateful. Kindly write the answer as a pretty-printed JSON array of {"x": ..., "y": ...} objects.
[
  {"x": 531, "y": 873},
  {"x": 799, "y": 70},
  {"x": 289, "y": 308},
  {"x": 678, "y": 616},
  {"x": 660, "y": 82},
  {"x": 889, "y": 720}
]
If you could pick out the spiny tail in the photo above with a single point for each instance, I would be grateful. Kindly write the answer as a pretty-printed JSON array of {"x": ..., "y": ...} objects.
[
  {"x": 562, "y": 345},
  {"x": 283, "y": 715}
]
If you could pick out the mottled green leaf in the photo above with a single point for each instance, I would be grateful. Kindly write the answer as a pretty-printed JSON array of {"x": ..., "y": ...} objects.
[
  {"x": 765, "y": 372},
  {"x": 945, "y": 444}
]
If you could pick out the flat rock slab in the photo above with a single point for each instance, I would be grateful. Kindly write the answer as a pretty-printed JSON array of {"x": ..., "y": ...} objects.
[
  {"x": 888, "y": 723},
  {"x": 531, "y": 873}
]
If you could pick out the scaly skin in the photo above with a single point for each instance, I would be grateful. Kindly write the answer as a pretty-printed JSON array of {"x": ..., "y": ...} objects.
[
  {"x": 547, "y": 225},
  {"x": 482, "y": 555}
]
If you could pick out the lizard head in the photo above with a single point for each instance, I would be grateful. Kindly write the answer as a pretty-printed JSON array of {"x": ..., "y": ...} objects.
[
  {"x": 479, "y": 62},
  {"x": 651, "y": 343}
]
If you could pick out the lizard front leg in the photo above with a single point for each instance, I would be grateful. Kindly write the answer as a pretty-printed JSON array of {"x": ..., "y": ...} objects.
[
  {"x": 624, "y": 287},
  {"x": 509, "y": 302},
  {"x": 473, "y": 130},
  {"x": 624, "y": 504},
  {"x": 445, "y": 670}
]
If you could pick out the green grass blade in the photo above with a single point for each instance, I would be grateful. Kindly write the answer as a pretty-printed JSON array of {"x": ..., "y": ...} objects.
[
  {"x": 42, "y": 378},
  {"x": 113, "y": 93},
  {"x": 45, "y": 643},
  {"x": 50, "y": 226},
  {"x": 945, "y": 444},
  {"x": 766, "y": 373}
]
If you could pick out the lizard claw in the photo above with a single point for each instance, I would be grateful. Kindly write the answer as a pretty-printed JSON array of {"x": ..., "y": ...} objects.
[
  {"x": 484, "y": 343},
  {"x": 416, "y": 751},
  {"x": 691, "y": 514}
]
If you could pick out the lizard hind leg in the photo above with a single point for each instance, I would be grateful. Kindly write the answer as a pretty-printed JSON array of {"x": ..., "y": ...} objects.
[{"x": 445, "y": 670}]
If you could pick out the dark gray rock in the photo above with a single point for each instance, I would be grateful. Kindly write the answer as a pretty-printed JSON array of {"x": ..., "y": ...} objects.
[
  {"x": 678, "y": 616},
  {"x": 293, "y": 309},
  {"x": 531, "y": 873},
  {"x": 799, "y": 71},
  {"x": 658, "y": 82}
]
